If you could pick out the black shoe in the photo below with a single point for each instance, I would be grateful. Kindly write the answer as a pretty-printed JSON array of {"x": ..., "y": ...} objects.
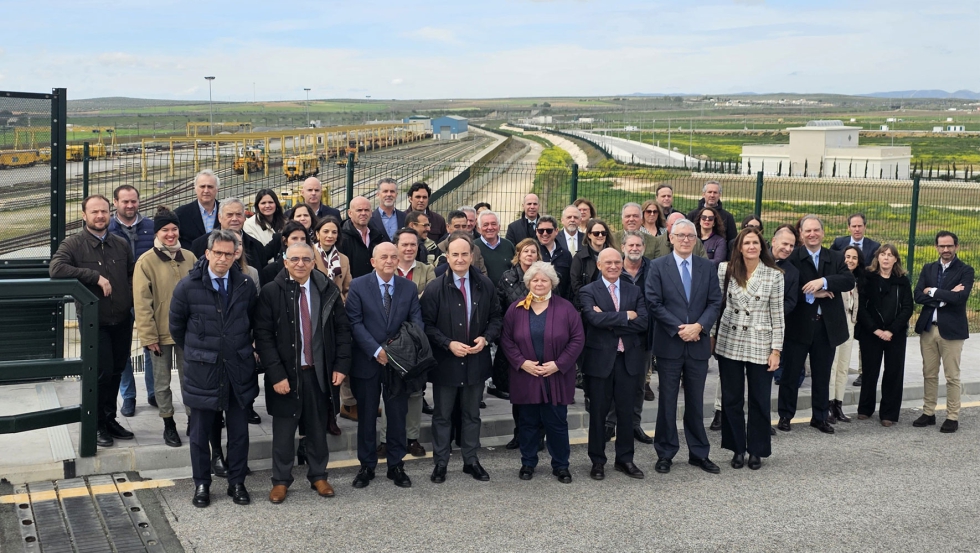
[
  {"x": 128, "y": 408},
  {"x": 382, "y": 450},
  {"x": 648, "y": 394},
  {"x": 117, "y": 431},
  {"x": 610, "y": 433},
  {"x": 772, "y": 430},
  {"x": 202, "y": 496},
  {"x": 598, "y": 472},
  {"x": 588, "y": 405},
  {"x": 477, "y": 472},
  {"x": 438, "y": 474},
  {"x": 716, "y": 421},
  {"x": 218, "y": 466},
  {"x": 513, "y": 443},
  {"x": 783, "y": 424},
  {"x": 738, "y": 461},
  {"x": 822, "y": 426},
  {"x": 526, "y": 472},
  {"x": 301, "y": 451},
  {"x": 704, "y": 464},
  {"x": 838, "y": 408},
  {"x": 253, "y": 417},
  {"x": 949, "y": 426},
  {"x": 629, "y": 469},
  {"x": 483, "y": 405},
  {"x": 563, "y": 475},
  {"x": 754, "y": 462},
  {"x": 426, "y": 408},
  {"x": 398, "y": 476},
  {"x": 641, "y": 436},
  {"x": 239, "y": 494},
  {"x": 498, "y": 393},
  {"x": 541, "y": 444},
  {"x": 924, "y": 420},
  {"x": 857, "y": 381},
  {"x": 170, "y": 435},
  {"x": 102, "y": 438},
  {"x": 152, "y": 400},
  {"x": 831, "y": 419},
  {"x": 415, "y": 449},
  {"x": 663, "y": 465},
  {"x": 364, "y": 477},
  {"x": 187, "y": 430}
]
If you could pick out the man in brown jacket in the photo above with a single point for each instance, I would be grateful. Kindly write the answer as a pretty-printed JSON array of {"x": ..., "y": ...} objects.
[{"x": 103, "y": 262}]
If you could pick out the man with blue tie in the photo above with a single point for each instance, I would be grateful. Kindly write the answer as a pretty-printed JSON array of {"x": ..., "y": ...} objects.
[
  {"x": 816, "y": 326},
  {"x": 377, "y": 305},
  {"x": 684, "y": 301}
]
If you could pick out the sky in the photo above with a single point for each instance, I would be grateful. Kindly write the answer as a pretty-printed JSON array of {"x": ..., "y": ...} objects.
[{"x": 271, "y": 51}]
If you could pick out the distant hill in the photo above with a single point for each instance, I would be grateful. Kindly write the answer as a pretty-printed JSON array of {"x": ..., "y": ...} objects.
[
  {"x": 97, "y": 104},
  {"x": 941, "y": 94}
]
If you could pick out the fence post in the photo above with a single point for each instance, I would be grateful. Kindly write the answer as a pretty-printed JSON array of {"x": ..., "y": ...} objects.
[
  {"x": 758, "y": 194},
  {"x": 85, "y": 158},
  {"x": 913, "y": 221},
  {"x": 350, "y": 178},
  {"x": 574, "y": 193}
]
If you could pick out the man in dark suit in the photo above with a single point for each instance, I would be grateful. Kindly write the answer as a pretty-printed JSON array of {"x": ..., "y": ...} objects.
[
  {"x": 816, "y": 326},
  {"x": 684, "y": 300},
  {"x": 386, "y": 218},
  {"x": 303, "y": 339},
  {"x": 231, "y": 216},
  {"x": 783, "y": 245},
  {"x": 199, "y": 217},
  {"x": 418, "y": 200},
  {"x": 360, "y": 237},
  {"x": 857, "y": 225},
  {"x": 571, "y": 238},
  {"x": 614, "y": 361},
  {"x": 377, "y": 304},
  {"x": 553, "y": 253},
  {"x": 711, "y": 197},
  {"x": 943, "y": 289},
  {"x": 524, "y": 227},
  {"x": 313, "y": 196}
]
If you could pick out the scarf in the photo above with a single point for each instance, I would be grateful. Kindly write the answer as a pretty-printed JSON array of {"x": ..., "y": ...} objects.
[
  {"x": 526, "y": 302},
  {"x": 331, "y": 260},
  {"x": 168, "y": 252}
]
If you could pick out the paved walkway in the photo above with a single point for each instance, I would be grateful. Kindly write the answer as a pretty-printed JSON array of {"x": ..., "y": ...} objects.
[{"x": 40, "y": 454}]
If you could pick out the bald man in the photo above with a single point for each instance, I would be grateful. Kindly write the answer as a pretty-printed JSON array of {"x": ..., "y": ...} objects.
[
  {"x": 312, "y": 194},
  {"x": 524, "y": 227},
  {"x": 360, "y": 238}
]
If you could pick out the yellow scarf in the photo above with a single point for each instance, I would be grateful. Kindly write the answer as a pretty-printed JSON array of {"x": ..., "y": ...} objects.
[{"x": 526, "y": 302}]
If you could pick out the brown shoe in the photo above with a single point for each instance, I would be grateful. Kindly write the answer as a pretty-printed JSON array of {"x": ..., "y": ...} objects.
[
  {"x": 887, "y": 423},
  {"x": 348, "y": 412},
  {"x": 323, "y": 488},
  {"x": 415, "y": 449},
  {"x": 278, "y": 494}
]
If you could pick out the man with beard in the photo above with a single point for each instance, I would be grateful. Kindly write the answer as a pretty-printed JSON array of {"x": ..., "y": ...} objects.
[{"x": 386, "y": 218}]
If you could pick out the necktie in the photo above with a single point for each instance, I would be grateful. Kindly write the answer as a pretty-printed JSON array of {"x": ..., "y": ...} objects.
[
  {"x": 306, "y": 325},
  {"x": 387, "y": 301},
  {"x": 809, "y": 297},
  {"x": 612, "y": 292},
  {"x": 466, "y": 304},
  {"x": 686, "y": 279},
  {"x": 223, "y": 291},
  {"x": 858, "y": 246},
  {"x": 572, "y": 245}
]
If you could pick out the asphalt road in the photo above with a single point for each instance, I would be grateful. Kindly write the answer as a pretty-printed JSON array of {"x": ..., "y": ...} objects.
[{"x": 867, "y": 488}]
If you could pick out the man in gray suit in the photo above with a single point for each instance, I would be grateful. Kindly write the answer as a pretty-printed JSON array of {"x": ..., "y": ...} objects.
[{"x": 684, "y": 300}]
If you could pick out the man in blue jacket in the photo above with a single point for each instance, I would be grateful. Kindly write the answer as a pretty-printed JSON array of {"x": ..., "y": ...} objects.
[{"x": 210, "y": 320}]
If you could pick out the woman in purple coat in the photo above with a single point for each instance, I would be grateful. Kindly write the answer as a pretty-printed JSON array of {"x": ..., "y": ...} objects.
[{"x": 542, "y": 338}]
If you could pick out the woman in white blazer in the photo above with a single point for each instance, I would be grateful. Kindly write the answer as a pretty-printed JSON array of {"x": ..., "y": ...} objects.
[{"x": 854, "y": 260}]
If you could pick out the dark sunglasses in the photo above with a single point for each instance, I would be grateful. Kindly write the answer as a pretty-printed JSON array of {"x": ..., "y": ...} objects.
[
  {"x": 545, "y": 230},
  {"x": 707, "y": 218},
  {"x": 598, "y": 233}
]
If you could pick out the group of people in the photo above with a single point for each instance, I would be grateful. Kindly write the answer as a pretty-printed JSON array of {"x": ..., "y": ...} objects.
[{"x": 327, "y": 309}]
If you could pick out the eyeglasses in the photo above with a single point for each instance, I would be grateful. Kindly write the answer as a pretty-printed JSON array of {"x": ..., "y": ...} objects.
[
  {"x": 545, "y": 230},
  {"x": 684, "y": 236},
  {"x": 598, "y": 233},
  {"x": 650, "y": 211},
  {"x": 305, "y": 260},
  {"x": 427, "y": 225},
  {"x": 707, "y": 218},
  {"x": 222, "y": 255}
]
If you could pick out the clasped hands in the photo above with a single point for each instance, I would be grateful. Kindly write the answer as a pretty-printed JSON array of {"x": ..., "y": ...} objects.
[
  {"x": 539, "y": 369},
  {"x": 459, "y": 349}
]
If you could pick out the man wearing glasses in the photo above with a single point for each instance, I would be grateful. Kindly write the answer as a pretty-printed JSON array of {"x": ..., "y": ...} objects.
[
  {"x": 711, "y": 197},
  {"x": 552, "y": 252},
  {"x": 420, "y": 223},
  {"x": 663, "y": 246}
]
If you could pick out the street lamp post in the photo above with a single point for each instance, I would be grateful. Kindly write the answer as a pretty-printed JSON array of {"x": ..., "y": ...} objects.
[
  {"x": 210, "y": 108},
  {"x": 307, "y": 106}
]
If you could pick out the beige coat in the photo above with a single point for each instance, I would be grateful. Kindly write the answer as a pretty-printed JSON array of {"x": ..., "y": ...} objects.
[
  {"x": 154, "y": 280},
  {"x": 342, "y": 281},
  {"x": 422, "y": 274}
]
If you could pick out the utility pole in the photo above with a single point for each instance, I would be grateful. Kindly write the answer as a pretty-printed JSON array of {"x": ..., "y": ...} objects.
[
  {"x": 210, "y": 107},
  {"x": 307, "y": 106}
]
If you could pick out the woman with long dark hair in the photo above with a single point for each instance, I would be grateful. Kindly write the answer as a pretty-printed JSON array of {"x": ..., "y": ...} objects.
[
  {"x": 711, "y": 231},
  {"x": 854, "y": 260},
  {"x": 302, "y": 214},
  {"x": 598, "y": 236},
  {"x": 268, "y": 218},
  {"x": 328, "y": 258},
  {"x": 885, "y": 309},
  {"x": 292, "y": 233}
]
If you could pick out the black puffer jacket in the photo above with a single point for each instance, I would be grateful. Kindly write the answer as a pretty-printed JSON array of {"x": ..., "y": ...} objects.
[
  {"x": 357, "y": 253},
  {"x": 583, "y": 271},
  {"x": 511, "y": 287},
  {"x": 217, "y": 343}
]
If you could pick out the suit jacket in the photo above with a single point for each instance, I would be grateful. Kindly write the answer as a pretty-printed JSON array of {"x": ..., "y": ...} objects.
[
  {"x": 563, "y": 242},
  {"x": 952, "y": 316},
  {"x": 670, "y": 308},
  {"x": 357, "y": 253},
  {"x": 604, "y": 330},
  {"x": 801, "y": 323},
  {"x": 662, "y": 246},
  {"x": 561, "y": 260},
  {"x": 753, "y": 322},
  {"x": 868, "y": 247},
  {"x": 325, "y": 210},
  {"x": 791, "y": 285},
  {"x": 191, "y": 223},
  {"x": 370, "y": 329},
  {"x": 378, "y": 224},
  {"x": 519, "y": 230},
  {"x": 422, "y": 274}
]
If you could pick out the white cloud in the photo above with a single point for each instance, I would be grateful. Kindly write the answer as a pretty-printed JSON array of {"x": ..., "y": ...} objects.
[
  {"x": 433, "y": 34},
  {"x": 750, "y": 2},
  {"x": 397, "y": 82}
]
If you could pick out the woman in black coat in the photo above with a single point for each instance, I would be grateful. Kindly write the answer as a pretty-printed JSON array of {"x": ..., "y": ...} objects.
[
  {"x": 883, "y": 315},
  {"x": 584, "y": 269}
]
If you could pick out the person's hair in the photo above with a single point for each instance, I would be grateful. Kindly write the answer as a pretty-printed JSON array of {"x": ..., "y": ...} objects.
[
  {"x": 719, "y": 225},
  {"x": 749, "y": 218},
  {"x": 208, "y": 173},
  {"x": 592, "y": 211},
  {"x": 610, "y": 239},
  {"x": 631, "y": 204},
  {"x": 541, "y": 267},
  {"x": 230, "y": 202},
  {"x": 805, "y": 218},
  {"x": 632, "y": 233},
  {"x": 547, "y": 219},
  {"x": 291, "y": 227},
  {"x": 516, "y": 262},
  {"x": 684, "y": 223},
  {"x": 864, "y": 219},
  {"x": 459, "y": 235},
  {"x": 121, "y": 187},
  {"x": 482, "y": 214},
  {"x": 940, "y": 234},
  {"x": 413, "y": 217},
  {"x": 788, "y": 227},
  {"x": 416, "y": 186},
  {"x": 482, "y": 204},
  {"x": 897, "y": 269},
  {"x": 467, "y": 209},
  {"x": 860, "y": 270},
  {"x": 292, "y": 212},
  {"x": 387, "y": 180},
  {"x": 300, "y": 244},
  {"x": 278, "y": 218},
  {"x": 319, "y": 225},
  {"x": 736, "y": 267},
  {"x": 455, "y": 214},
  {"x": 705, "y": 187},
  {"x": 95, "y": 197},
  {"x": 224, "y": 235},
  {"x": 661, "y": 223},
  {"x": 403, "y": 231},
  {"x": 661, "y": 187}
]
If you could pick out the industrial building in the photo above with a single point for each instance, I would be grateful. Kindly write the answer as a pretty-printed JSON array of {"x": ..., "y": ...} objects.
[
  {"x": 827, "y": 148},
  {"x": 450, "y": 127},
  {"x": 425, "y": 120}
]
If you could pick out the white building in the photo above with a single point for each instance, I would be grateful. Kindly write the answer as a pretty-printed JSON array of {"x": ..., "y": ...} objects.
[{"x": 826, "y": 148}]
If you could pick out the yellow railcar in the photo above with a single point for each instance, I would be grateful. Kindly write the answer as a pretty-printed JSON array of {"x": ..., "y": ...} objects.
[
  {"x": 301, "y": 166},
  {"x": 18, "y": 158}
]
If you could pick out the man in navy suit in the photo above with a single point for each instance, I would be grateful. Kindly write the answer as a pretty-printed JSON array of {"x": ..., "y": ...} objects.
[
  {"x": 199, "y": 217},
  {"x": 377, "y": 304},
  {"x": 684, "y": 300},
  {"x": 386, "y": 218},
  {"x": 857, "y": 224},
  {"x": 615, "y": 316}
]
